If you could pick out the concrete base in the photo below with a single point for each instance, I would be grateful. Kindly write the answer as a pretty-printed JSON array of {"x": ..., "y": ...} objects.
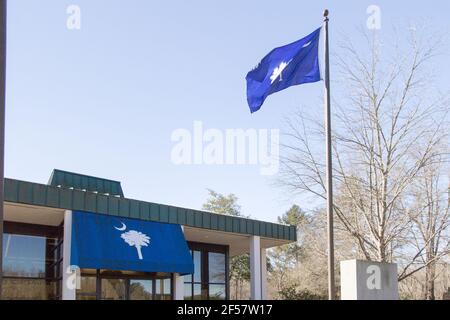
[{"x": 367, "y": 280}]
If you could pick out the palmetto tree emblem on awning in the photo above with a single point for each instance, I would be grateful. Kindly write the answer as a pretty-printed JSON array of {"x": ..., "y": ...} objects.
[{"x": 135, "y": 239}]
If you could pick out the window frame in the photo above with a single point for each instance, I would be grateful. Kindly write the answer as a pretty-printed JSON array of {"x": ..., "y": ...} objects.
[
  {"x": 205, "y": 249},
  {"x": 104, "y": 274},
  {"x": 47, "y": 232}
]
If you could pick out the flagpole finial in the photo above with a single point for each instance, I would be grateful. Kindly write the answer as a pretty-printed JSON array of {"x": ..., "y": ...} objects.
[{"x": 325, "y": 13}]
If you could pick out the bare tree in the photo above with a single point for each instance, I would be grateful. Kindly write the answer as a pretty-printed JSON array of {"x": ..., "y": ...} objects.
[
  {"x": 429, "y": 232},
  {"x": 302, "y": 267},
  {"x": 388, "y": 128}
]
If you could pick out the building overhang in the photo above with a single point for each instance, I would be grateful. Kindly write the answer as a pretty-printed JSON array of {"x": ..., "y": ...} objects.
[
  {"x": 23, "y": 213},
  {"x": 238, "y": 243},
  {"x": 45, "y": 204},
  {"x": 40, "y": 215}
]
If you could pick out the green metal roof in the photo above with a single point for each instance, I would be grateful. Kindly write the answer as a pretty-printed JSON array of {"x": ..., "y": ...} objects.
[
  {"x": 60, "y": 178},
  {"x": 71, "y": 198}
]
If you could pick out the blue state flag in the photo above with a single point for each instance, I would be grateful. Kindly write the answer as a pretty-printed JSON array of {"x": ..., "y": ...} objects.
[{"x": 286, "y": 66}]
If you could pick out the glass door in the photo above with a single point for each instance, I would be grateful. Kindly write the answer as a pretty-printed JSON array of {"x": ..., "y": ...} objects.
[{"x": 209, "y": 281}]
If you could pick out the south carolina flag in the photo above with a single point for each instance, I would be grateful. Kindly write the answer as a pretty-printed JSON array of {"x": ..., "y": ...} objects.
[{"x": 286, "y": 66}]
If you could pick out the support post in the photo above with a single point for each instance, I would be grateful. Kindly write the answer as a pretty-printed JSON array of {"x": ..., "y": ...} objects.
[
  {"x": 255, "y": 268},
  {"x": 179, "y": 287},
  {"x": 70, "y": 278}
]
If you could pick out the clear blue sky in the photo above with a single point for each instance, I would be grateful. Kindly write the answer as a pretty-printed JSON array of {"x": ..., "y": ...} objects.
[{"x": 104, "y": 100}]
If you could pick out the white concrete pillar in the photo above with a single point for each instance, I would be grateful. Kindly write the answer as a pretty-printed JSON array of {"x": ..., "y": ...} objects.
[
  {"x": 179, "y": 287},
  {"x": 255, "y": 268},
  {"x": 263, "y": 274},
  {"x": 69, "y": 274}
]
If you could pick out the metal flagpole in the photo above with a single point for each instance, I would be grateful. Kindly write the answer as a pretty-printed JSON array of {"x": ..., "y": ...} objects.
[
  {"x": 2, "y": 125},
  {"x": 329, "y": 176}
]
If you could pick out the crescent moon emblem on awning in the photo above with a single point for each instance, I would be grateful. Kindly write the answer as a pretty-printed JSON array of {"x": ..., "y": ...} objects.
[{"x": 122, "y": 228}]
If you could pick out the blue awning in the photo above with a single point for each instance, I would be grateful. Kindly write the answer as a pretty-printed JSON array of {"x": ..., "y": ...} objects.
[{"x": 114, "y": 243}]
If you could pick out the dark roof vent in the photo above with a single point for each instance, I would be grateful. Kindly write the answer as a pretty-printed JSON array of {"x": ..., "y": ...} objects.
[{"x": 65, "y": 179}]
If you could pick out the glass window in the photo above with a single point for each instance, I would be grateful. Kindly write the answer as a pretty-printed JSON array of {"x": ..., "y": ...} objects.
[
  {"x": 163, "y": 289},
  {"x": 197, "y": 292},
  {"x": 88, "y": 286},
  {"x": 217, "y": 292},
  {"x": 28, "y": 289},
  {"x": 30, "y": 265},
  {"x": 117, "y": 286},
  {"x": 24, "y": 256},
  {"x": 216, "y": 267},
  {"x": 197, "y": 266},
  {"x": 113, "y": 289},
  {"x": 167, "y": 289},
  {"x": 209, "y": 279},
  {"x": 187, "y": 291},
  {"x": 141, "y": 289},
  {"x": 188, "y": 277}
]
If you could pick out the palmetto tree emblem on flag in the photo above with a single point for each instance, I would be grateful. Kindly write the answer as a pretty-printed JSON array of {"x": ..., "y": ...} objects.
[
  {"x": 277, "y": 72},
  {"x": 135, "y": 239}
]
